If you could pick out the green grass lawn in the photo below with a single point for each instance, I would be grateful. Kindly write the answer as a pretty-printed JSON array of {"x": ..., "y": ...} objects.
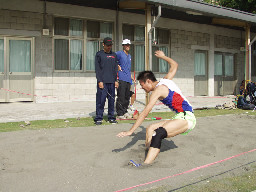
[{"x": 86, "y": 122}]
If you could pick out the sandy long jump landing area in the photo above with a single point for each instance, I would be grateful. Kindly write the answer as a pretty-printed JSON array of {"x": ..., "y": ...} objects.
[{"x": 93, "y": 159}]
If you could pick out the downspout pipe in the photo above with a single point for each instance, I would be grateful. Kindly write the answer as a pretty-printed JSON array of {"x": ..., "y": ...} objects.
[
  {"x": 44, "y": 18},
  {"x": 250, "y": 58},
  {"x": 150, "y": 36},
  {"x": 117, "y": 25}
]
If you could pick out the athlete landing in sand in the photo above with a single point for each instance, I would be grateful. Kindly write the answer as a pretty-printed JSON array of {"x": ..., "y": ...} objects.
[{"x": 167, "y": 92}]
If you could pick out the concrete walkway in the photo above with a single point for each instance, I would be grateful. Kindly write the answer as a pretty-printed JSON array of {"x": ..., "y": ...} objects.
[{"x": 23, "y": 111}]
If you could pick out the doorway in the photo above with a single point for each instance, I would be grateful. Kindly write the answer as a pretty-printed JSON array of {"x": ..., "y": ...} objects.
[
  {"x": 224, "y": 80},
  {"x": 200, "y": 73},
  {"x": 16, "y": 69}
]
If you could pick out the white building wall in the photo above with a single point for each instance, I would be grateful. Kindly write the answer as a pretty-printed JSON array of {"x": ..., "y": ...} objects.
[{"x": 26, "y": 19}]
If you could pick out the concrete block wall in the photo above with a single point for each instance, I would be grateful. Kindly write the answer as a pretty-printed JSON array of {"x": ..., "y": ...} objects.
[
  {"x": 228, "y": 42},
  {"x": 66, "y": 87},
  {"x": 20, "y": 20},
  {"x": 181, "y": 42}
]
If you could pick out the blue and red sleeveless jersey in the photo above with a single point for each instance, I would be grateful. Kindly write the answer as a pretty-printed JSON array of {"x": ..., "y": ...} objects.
[{"x": 175, "y": 100}]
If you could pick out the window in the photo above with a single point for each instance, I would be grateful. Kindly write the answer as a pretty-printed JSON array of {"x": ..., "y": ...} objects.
[
  {"x": 218, "y": 64},
  {"x": 137, "y": 36},
  {"x": 68, "y": 44},
  {"x": 20, "y": 55},
  {"x": 229, "y": 66},
  {"x": 200, "y": 63},
  {"x": 224, "y": 64},
  {"x": 96, "y": 32},
  {"x": 161, "y": 43},
  {"x": 1, "y": 55}
]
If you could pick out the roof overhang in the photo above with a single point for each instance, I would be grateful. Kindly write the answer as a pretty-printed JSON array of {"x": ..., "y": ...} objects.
[
  {"x": 187, "y": 10},
  {"x": 207, "y": 9}
]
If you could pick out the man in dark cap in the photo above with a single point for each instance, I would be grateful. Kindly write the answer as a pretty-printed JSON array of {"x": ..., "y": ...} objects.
[{"x": 106, "y": 67}]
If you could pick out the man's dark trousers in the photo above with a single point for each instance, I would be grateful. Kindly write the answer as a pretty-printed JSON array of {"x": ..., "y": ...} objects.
[
  {"x": 123, "y": 97},
  {"x": 101, "y": 95}
]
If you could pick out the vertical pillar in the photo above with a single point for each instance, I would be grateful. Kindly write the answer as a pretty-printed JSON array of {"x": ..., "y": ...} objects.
[
  {"x": 147, "y": 28},
  {"x": 211, "y": 67},
  {"x": 247, "y": 66}
]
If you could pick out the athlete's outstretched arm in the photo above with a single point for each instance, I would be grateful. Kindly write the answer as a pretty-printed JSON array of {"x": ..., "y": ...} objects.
[
  {"x": 173, "y": 64},
  {"x": 152, "y": 101}
]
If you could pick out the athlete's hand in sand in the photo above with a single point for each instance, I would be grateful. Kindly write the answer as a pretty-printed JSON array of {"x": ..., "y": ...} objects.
[
  {"x": 124, "y": 133},
  {"x": 159, "y": 54}
]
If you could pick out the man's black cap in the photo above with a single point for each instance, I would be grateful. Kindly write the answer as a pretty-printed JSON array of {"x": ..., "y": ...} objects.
[{"x": 107, "y": 41}]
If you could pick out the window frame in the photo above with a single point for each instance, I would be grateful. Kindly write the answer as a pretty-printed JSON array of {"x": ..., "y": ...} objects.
[
  {"x": 69, "y": 37},
  {"x": 206, "y": 62},
  {"x": 224, "y": 54},
  {"x": 3, "y": 70},
  {"x": 134, "y": 43},
  {"x": 99, "y": 40},
  {"x": 158, "y": 46}
]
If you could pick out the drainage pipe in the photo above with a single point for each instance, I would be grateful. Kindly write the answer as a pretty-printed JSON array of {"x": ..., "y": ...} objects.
[{"x": 150, "y": 36}]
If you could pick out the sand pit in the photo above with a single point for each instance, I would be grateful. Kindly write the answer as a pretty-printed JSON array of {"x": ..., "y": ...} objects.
[{"x": 93, "y": 159}]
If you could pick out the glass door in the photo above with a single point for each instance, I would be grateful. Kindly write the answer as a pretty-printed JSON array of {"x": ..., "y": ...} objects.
[
  {"x": 200, "y": 73},
  {"x": 20, "y": 76},
  {"x": 16, "y": 69},
  {"x": 224, "y": 80}
]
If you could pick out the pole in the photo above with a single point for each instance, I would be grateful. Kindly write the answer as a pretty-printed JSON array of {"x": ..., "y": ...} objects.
[
  {"x": 150, "y": 36},
  {"x": 148, "y": 27},
  {"x": 247, "y": 68}
]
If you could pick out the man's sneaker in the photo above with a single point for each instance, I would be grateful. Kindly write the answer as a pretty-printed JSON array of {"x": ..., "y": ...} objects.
[
  {"x": 120, "y": 117},
  {"x": 112, "y": 121},
  {"x": 98, "y": 122},
  {"x": 132, "y": 163},
  {"x": 128, "y": 116}
]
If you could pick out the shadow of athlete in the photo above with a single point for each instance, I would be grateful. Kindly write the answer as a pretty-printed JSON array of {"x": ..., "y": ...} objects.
[
  {"x": 136, "y": 137},
  {"x": 167, "y": 92},
  {"x": 140, "y": 136}
]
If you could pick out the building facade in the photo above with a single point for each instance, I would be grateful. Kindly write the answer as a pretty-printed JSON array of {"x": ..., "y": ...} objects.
[{"x": 47, "y": 53}]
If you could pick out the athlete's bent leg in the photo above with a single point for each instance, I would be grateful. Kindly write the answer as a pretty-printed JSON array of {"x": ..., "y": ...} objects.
[
  {"x": 150, "y": 130},
  {"x": 157, "y": 137},
  {"x": 173, "y": 128},
  {"x": 155, "y": 145}
]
